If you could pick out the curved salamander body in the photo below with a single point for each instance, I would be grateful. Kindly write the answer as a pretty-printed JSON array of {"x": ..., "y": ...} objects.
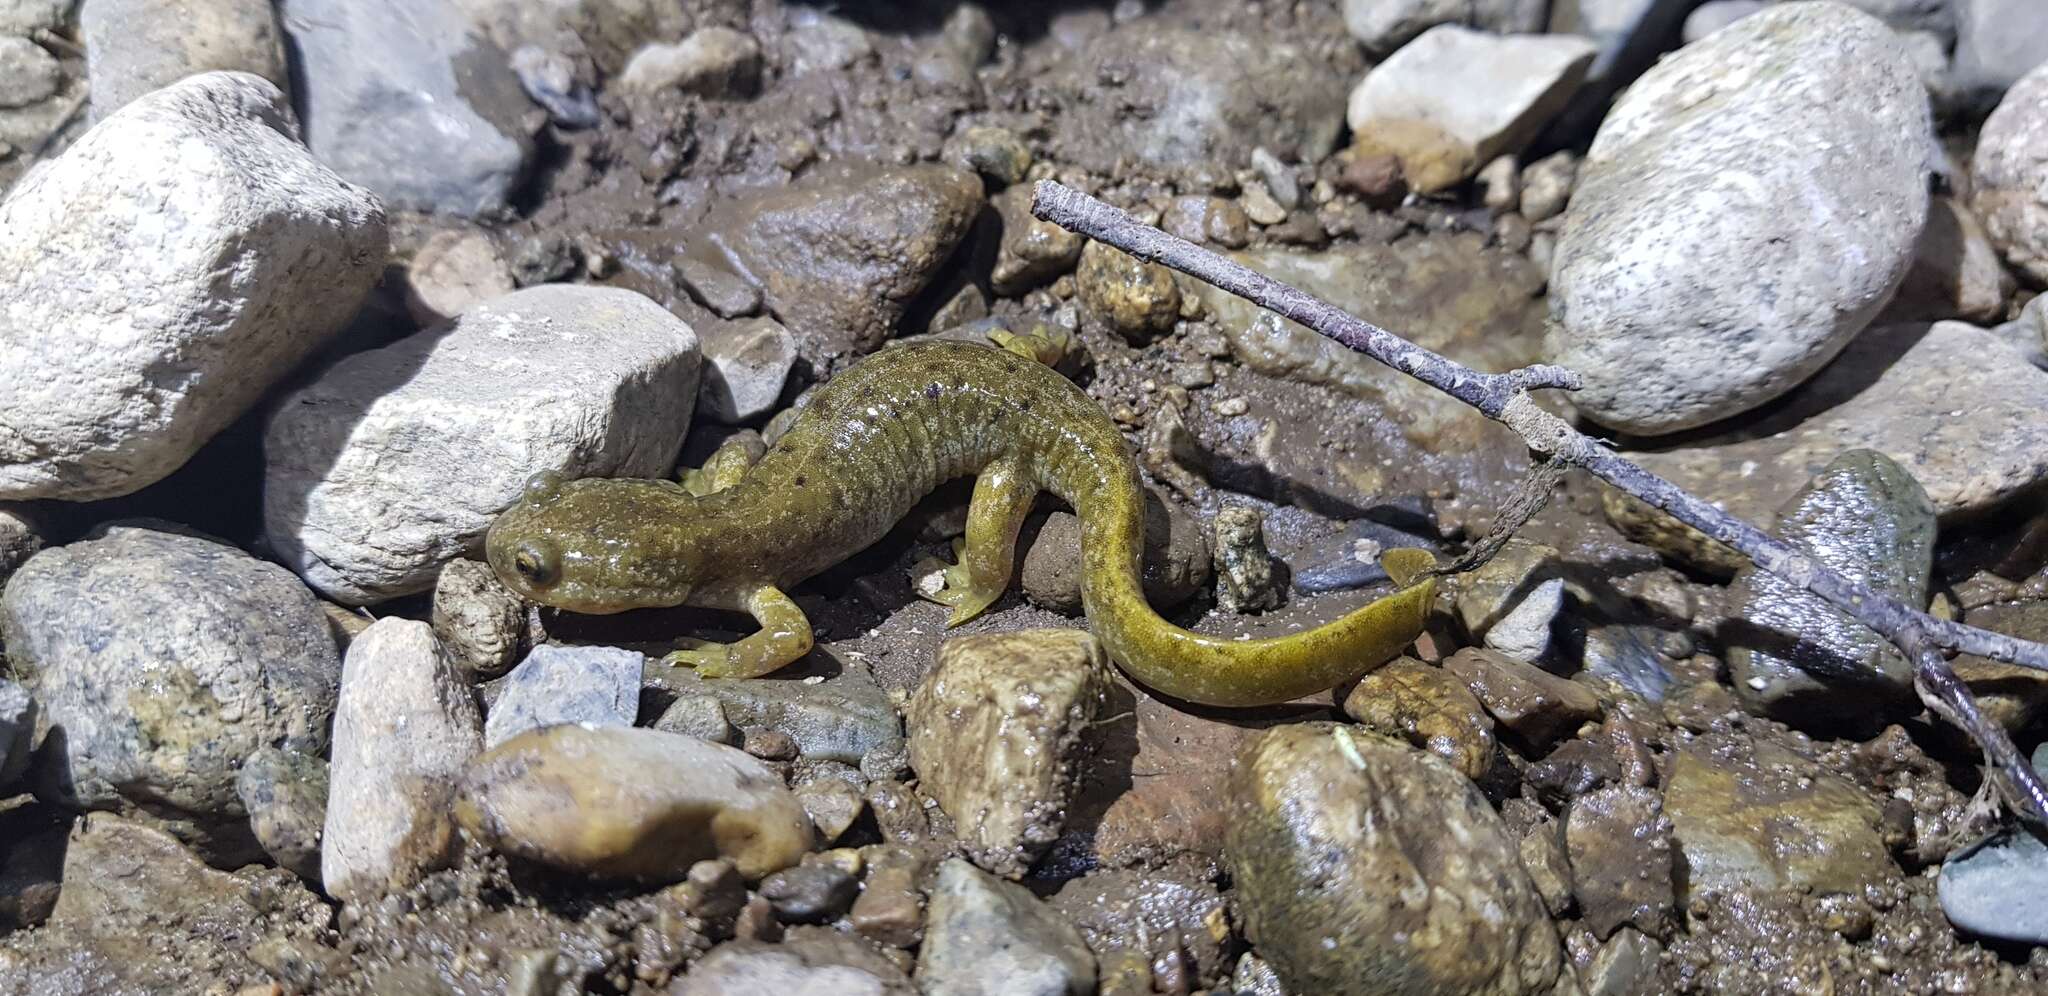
[{"x": 871, "y": 444}]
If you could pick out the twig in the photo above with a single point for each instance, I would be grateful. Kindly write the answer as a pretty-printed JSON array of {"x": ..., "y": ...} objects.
[{"x": 1504, "y": 398}]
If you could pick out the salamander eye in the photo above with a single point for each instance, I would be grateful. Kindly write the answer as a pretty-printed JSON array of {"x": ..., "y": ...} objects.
[
  {"x": 535, "y": 565},
  {"x": 542, "y": 486}
]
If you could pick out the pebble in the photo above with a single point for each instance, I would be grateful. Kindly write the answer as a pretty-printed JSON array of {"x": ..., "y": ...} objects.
[
  {"x": 819, "y": 41},
  {"x": 700, "y": 716},
  {"x": 1364, "y": 866},
  {"x": 746, "y": 364},
  {"x": 1956, "y": 271},
  {"x": 590, "y": 686},
  {"x": 1547, "y": 186},
  {"x": 1764, "y": 818},
  {"x": 285, "y": 794},
  {"x": 1793, "y": 656},
  {"x": 1422, "y": 704},
  {"x": 478, "y": 620},
  {"x": 1683, "y": 298},
  {"x": 1385, "y": 25},
  {"x": 712, "y": 62},
  {"x": 989, "y": 937},
  {"x": 1203, "y": 218},
  {"x": 1260, "y": 206},
  {"x": 28, "y": 73},
  {"x": 811, "y": 962},
  {"x": 167, "y": 658},
  {"x": 1136, "y": 299},
  {"x": 2010, "y": 170},
  {"x": 833, "y": 806},
  {"x": 994, "y": 734},
  {"x": 630, "y": 803},
  {"x": 1619, "y": 843},
  {"x": 1489, "y": 93},
  {"x": 841, "y": 252},
  {"x": 813, "y": 892},
  {"x": 454, "y": 270},
  {"x": 1030, "y": 252},
  {"x": 996, "y": 153},
  {"x": 550, "y": 79},
  {"x": 1954, "y": 405},
  {"x": 373, "y": 479},
  {"x": 1998, "y": 42},
  {"x": 135, "y": 46},
  {"x": 1714, "y": 15},
  {"x": 406, "y": 724},
  {"x": 1998, "y": 886},
  {"x": 406, "y": 98},
  {"x": 1538, "y": 706},
  {"x": 1626, "y": 964},
  {"x": 890, "y": 910},
  {"x": 1246, "y": 581},
  {"x": 712, "y": 285},
  {"x": 1499, "y": 183},
  {"x": 106, "y": 246},
  {"x": 847, "y": 718},
  {"x": 1510, "y": 601}
]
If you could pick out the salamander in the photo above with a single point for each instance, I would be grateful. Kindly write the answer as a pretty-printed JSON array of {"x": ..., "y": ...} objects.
[{"x": 869, "y": 445}]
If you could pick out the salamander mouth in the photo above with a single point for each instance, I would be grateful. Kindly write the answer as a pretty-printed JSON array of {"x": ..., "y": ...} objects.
[{"x": 591, "y": 600}]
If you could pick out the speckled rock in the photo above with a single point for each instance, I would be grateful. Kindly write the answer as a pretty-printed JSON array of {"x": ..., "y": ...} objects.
[
  {"x": 842, "y": 252},
  {"x": 1793, "y": 656},
  {"x": 1538, "y": 706},
  {"x": 409, "y": 99},
  {"x": 393, "y": 462},
  {"x": 746, "y": 364},
  {"x": 1656, "y": 283},
  {"x": 630, "y": 803},
  {"x": 591, "y": 686},
  {"x": 1030, "y": 252},
  {"x": 1619, "y": 842},
  {"x": 29, "y": 74},
  {"x": 479, "y": 620},
  {"x": 135, "y": 46},
  {"x": 1510, "y": 601},
  {"x": 811, "y": 962},
  {"x": 1364, "y": 866},
  {"x": 406, "y": 725},
  {"x": 167, "y": 658},
  {"x": 989, "y": 937},
  {"x": 844, "y": 718},
  {"x": 1896, "y": 390},
  {"x": 2011, "y": 174},
  {"x": 199, "y": 287},
  {"x": 1489, "y": 93},
  {"x": 1246, "y": 581},
  {"x": 17, "y": 731},
  {"x": 994, "y": 732},
  {"x": 1764, "y": 818},
  {"x": 1136, "y": 299},
  {"x": 1427, "y": 707},
  {"x": 1175, "y": 565},
  {"x": 285, "y": 794}
]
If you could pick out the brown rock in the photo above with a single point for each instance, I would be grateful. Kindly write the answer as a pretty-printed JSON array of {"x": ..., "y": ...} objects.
[
  {"x": 1175, "y": 566},
  {"x": 1539, "y": 706},
  {"x": 1134, "y": 298},
  {"x": 1431, "y": 158},
  {"x": 1760, "y": 817},
  {"x": 1620, "y": 846},
  {"x": 1427, "y": 707},
  {"x": 1031, "y": 252}
]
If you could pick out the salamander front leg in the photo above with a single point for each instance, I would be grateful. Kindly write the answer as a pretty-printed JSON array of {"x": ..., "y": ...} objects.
[
  {"x": 1003, "y": 495},
  {"x": 726, "y": 466},
  {"x": 785, "y": 635}
]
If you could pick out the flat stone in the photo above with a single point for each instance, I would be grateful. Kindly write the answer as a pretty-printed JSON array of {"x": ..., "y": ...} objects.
[
  {"x": 1619, "y": 842},
  {"x": 229, "y": 270},
  {"x": 714, "y": 285},
  {"x": 479, "y": 621},
  {"x": 1429, "y": 708},
  {"x": 1538, "y": 706},
  {"x": 1956, "y": 406},
  {"x": 700, "y": 716},
  {"x": 409, "y": 99},
  {"x": 590, "y": 686},
  {"x": 285, "y": 794},
  {"x": 1792, "y": 655},
  {"x": 1766, "y": 819},
  {"x": 994, "y": 734},
  {"x": 374, "y": 472},
  {"x": 890, "y": 910},
  {"x": 135, "y": 46},
  {"x": 406, "y": 725},
  {"x": 2010, "y": 170},
  {"x": 1683, "y": 290},
  {"x": 1490, "y": 93},
  {"x": 746, "y": 364},
  {"x": 844, "y": 718},
  {"x": 1364, "y": 866},
  {"x": 629, "y": 803},
  {"x": 991, "y": 937},
  {"x": 167, "y": 659}
]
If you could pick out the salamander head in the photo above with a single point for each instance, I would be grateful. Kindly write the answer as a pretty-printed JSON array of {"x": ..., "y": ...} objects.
[{"x": 597, "y": 545}]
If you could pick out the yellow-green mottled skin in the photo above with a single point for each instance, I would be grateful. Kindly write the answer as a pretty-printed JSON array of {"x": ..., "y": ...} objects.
[{"x": 870, "y": 445}]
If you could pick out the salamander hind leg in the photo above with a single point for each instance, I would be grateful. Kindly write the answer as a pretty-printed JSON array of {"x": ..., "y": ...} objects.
[
  {"x": 1003, "y": 495},
  {"x": 785, "y": 635}
]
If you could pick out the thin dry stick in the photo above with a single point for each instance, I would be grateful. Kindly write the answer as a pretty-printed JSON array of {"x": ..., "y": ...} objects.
[{"x": 1504, "y": 398}]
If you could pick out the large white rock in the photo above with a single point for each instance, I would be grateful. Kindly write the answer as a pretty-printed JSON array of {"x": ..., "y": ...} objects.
[
  {"x": 1997, "y": 43},
  {"x": 1385, "y": 25},
  {"x": 2011, "y": 168},
  {"x": 135, "y": 46},
  {"x": 1491, "y": 93},
  {"x": 1735, "y": 222},
  {"x": 159, "y": 276},
  {"x": 394, "y": 461}
]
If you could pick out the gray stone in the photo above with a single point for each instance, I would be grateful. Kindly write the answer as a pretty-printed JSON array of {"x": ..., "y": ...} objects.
[
  {"x": 480, "y": 622},
  {"x": 812, "y": 962},
  {"x": 21, "y": 535},
  {"x": 746, "y": 364},
  {"x": 28, "y": 73},
  {"x": 2011, "y": 174},
  {"x": 1631, "y": 35},
  {"x": 1714, "y": 15},
  {"x": 700, "y": 716},
  {"x": 285, "y": 794},
  {"x": 166, "y": 659},
  {"x": 135, "y": 46},
  {"x": 1897, "y": 390},
  {"x": 1795, "y": 657},
  {"x": 1683, "y": 296},
  {"x": 17, "y": 731},
  {"x": 1245, "y": 579},
  {"x": 550, "y": 79},
  {"x": 844, "y": 718},
  {"x": 1624, "y": 966},
  {"x": 988, "y": 937},
  {"x": 451, "y": 272},
  {"x": 1956, "y": 272},
  {"x": 819, "y": 41},
  {"x": 1760, "y": 817},
  {"x": 594, "y": 686},
  {"x": 26, "y": 17},
  {"x": 814, "y": 892},
  {"x": 407, "y": 99},
  {"x": 1998, "y": 886},
  {"x": 1997, "y": 43},
  {"x": 406, "y": 726},
  {"x": 1385, "y": 25},
  {"x": 711, "y": 62},
  {"x": 198, "y": 287},
  {"x": 713, "y": 284},
  {"x": 1491, "y": 94},
  {"x": 1538, "y": 706},
  {"x": 1510, "y": 601},
  {"x": 393, "y": 462}
]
